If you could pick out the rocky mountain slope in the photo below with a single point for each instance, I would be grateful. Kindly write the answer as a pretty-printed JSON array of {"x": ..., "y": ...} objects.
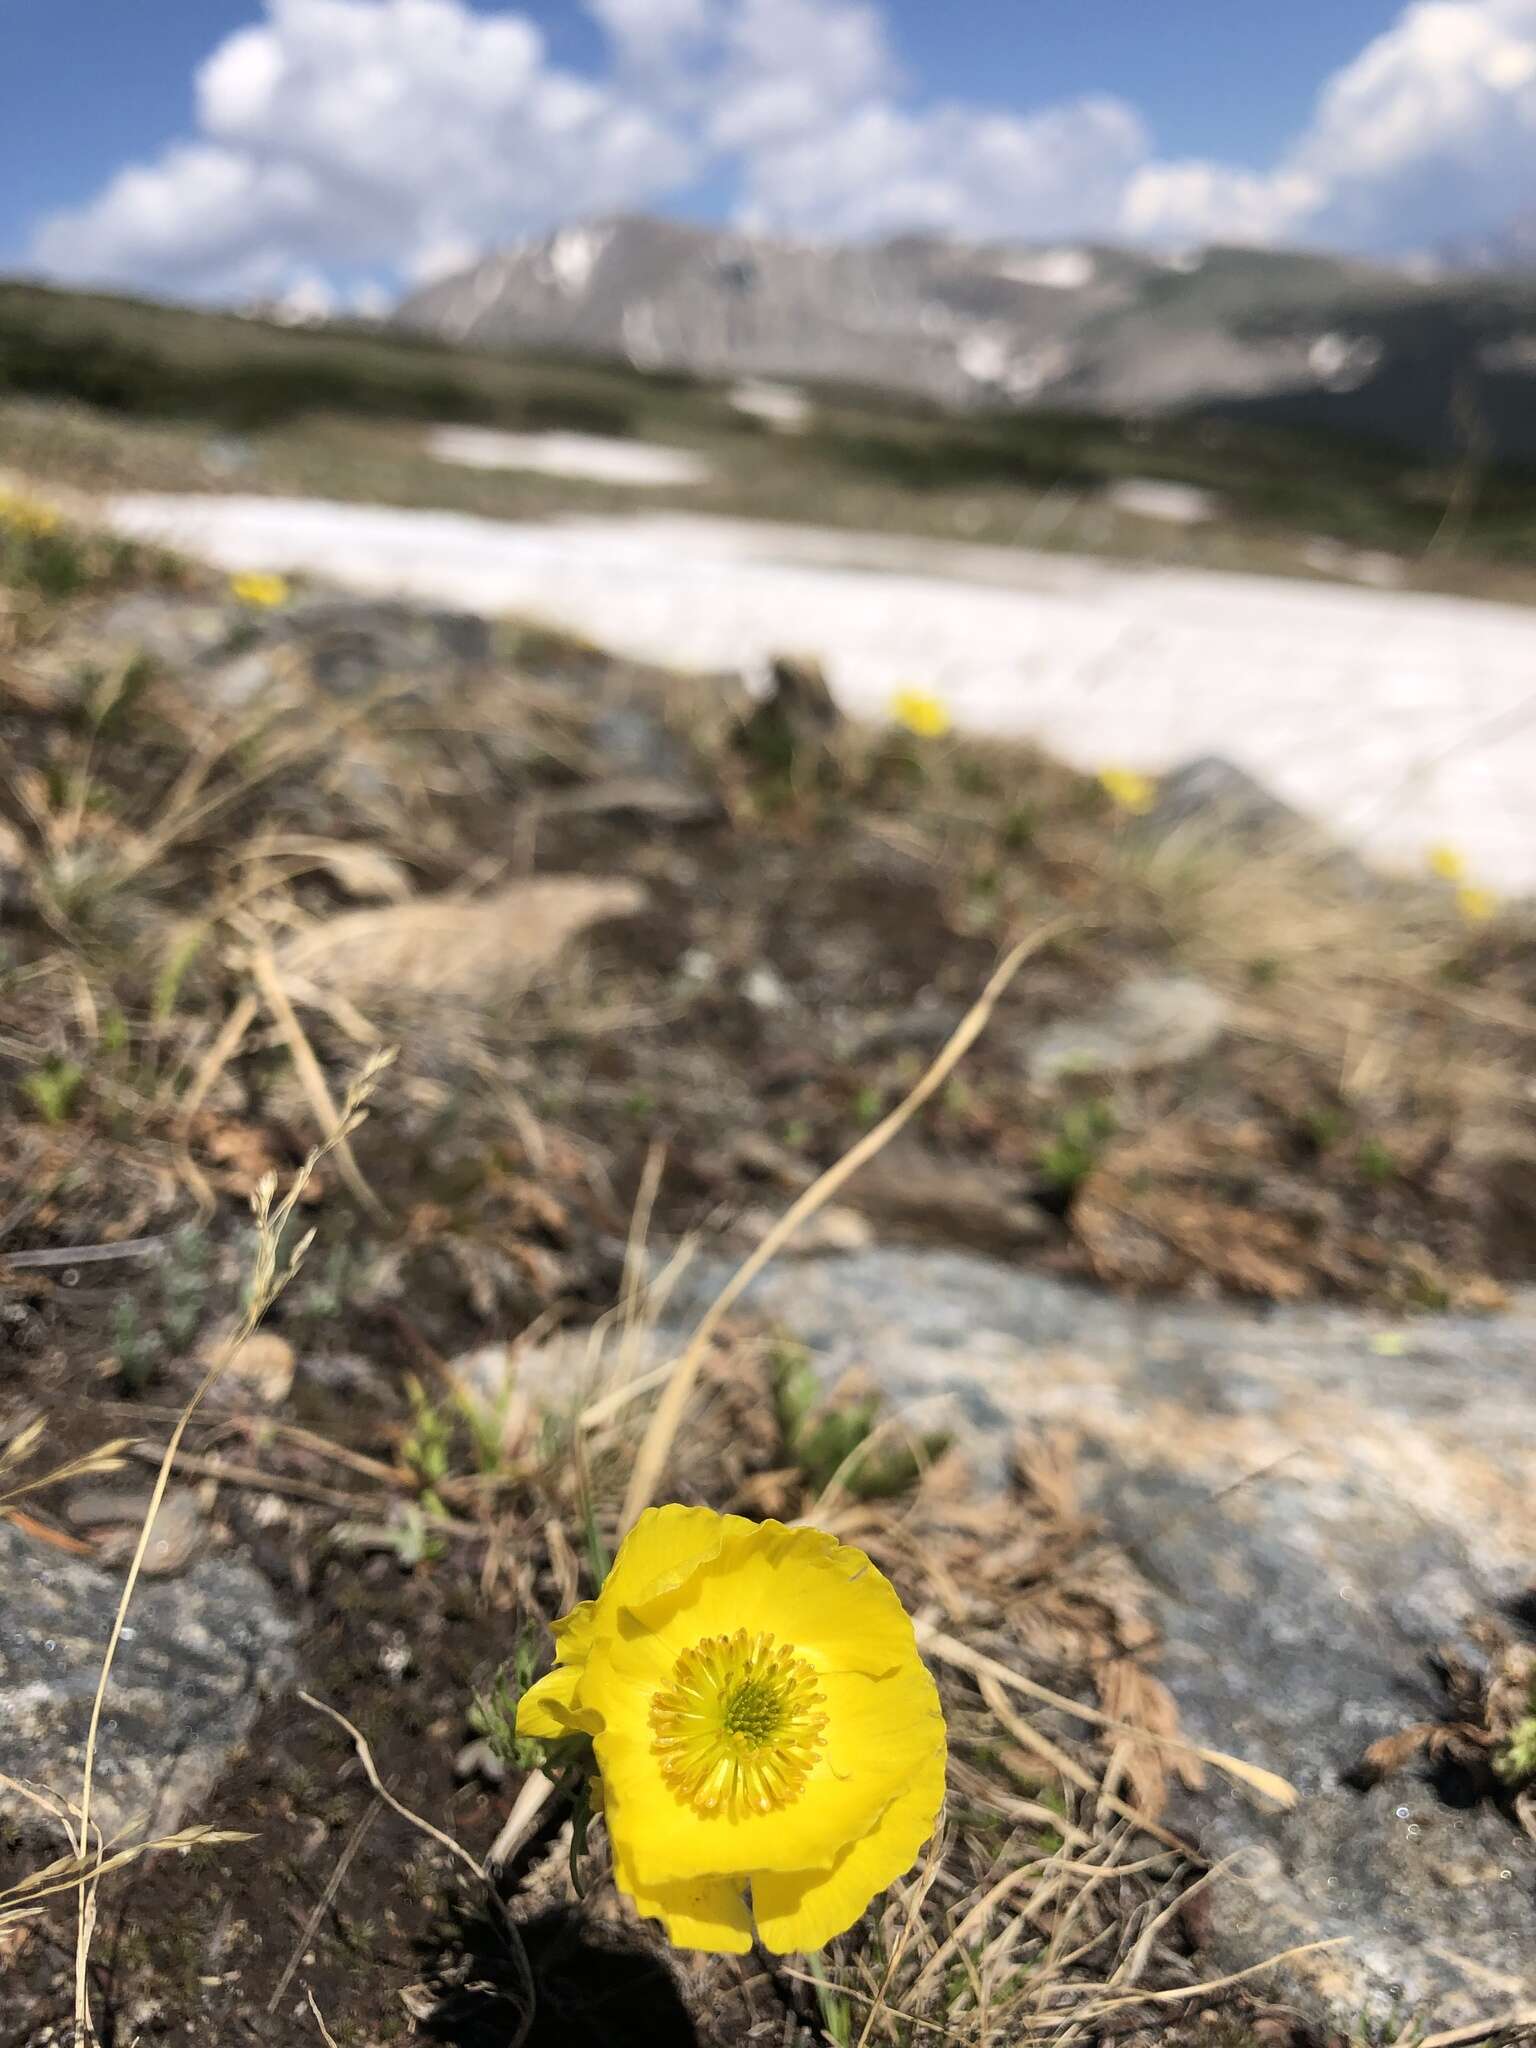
[{"x": 1439, "y": 361}]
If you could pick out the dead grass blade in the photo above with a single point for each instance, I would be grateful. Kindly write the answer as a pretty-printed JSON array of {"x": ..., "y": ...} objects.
[
  {"x": 110, "y": 1458},
  {"x": 322, "y": 1905},
  {"x": 1072, "y": 1771},
  {"x": 656, "y": 1445},
  {"x": 1513, "y": 2024},
  {"x": 325, "y": 2033},
  {"x": 952, "y": 1651},
  {"x": 311, "y": 1076},
  {"x": 1180, "y": 1991}
]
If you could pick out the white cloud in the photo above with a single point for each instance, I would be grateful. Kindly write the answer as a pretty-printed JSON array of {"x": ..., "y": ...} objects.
[
  {"x": 793, "y": 67},
  {"x": 1208, "y": 202},
  {"x": 952, "y": 169},
  {"x": 1429, "y": 132},
  {"x": 650, "y": 32},
  {"x": 358, "y": 140},
  {"x": 347, "y": 135}
]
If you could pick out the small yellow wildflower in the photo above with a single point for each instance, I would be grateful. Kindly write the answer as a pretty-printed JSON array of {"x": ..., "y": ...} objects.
[
  {"x": 1446, "y": 862},
  {"x": 1127, "y": 787},
  {"x": 762, "y": 1724},
  {"x": 923, "y": 714},
  {"x": 1476, "y": 905},
  {"x": 257, "y": 587},
  {"x": 26, "y": 515}
]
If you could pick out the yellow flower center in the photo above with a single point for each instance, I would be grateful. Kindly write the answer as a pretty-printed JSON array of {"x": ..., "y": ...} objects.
[{"x": 737, "y": 1729}]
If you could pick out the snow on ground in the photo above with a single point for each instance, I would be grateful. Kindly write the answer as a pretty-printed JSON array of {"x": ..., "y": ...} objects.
[
  {"x": 595, "y": 458},
  {"x": 1401, "y": 720},
  {"x": 1150, "y": 497},
  {"x": 779, "y": 406}
]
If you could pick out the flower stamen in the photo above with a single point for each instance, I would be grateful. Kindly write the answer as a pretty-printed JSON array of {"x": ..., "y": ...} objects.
[{"x": 738, "y": 1727}]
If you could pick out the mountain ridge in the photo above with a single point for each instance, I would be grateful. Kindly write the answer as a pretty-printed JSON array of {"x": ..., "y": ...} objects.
[{"x": 1434, "y": 357}]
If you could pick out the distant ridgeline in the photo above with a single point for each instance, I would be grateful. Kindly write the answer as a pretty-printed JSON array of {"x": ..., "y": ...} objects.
[{"x": 1436, "y": 361}]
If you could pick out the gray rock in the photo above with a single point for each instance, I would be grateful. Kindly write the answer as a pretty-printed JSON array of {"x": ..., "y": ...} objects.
[
  {"x": 199, "y": 1655},
  {"x": 1316, "y": 1511},
  {"x": 172, "y": 629},
  {"x": 1211, "y": 790},
  {"x": 1153, "y": 1020},
  {"x": 354, "y": 644},
  {"x": 635, "y": 742},
  {"x": 1211, "y": 799}
]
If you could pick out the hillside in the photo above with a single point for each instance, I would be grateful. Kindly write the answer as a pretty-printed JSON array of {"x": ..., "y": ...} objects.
[
  {"x": 110, "y": 394},
  {"x": 1431, "y": 362}
]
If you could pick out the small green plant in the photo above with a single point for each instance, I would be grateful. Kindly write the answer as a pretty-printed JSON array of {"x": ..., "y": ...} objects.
[
  {"x": 830, "y": 1442},
  {"x": 835, "y": 2006},
  {"x": 1074, "y": 1149},
  {"x": 1516, "y": 1761},
  {"x": 1020, "y": 827},
  {"x": 973, "y": 777},
  {"x": 185, "y": 1280},
  {"x": 1324, "y": 1125},
  {"x": 493, "y": 1712},
  {"x": 54, "y": 1090},
  {"x": 428, "y": 1448},
  {"x": 959, "y": 1097},
  {"x": 1376, "y": 1163},
  {"x": 868, "y": 1106},
  {"x": 173, "y": 972},
  {"x": 138, "y": 1351}
]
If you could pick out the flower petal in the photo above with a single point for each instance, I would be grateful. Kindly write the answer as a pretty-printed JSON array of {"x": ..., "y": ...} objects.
[
  {"x": 574, "y": 1633},
  {"x": 549, "y": 1709},
  {"x": 708, "y": 1913},
  {"x": 805, "y": 1909},
  {"x": 661, "y": 1553},
  {"x": 799, "y": 1585}
]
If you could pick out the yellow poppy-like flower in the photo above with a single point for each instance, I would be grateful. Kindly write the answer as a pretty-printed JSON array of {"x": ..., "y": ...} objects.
[
  {"x": 257, "y": 587},
  {"x": 762, "y": 1723},
  {"x": 1476, "y": 905},
  {"x": 923, "y": 714},
  {"x": 25, "y": 515},
  {"x": 1129, "y": 789},
  {"x": 1446, "y": 862}
]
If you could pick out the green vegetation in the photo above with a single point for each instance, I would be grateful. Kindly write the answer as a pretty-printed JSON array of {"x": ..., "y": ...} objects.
[
  {"x": 1073, "y": 1150},
  {"x": 162, "y": 362},
  {"x": 333, "y": 409},
  {"x": 841, "y": 1440}
]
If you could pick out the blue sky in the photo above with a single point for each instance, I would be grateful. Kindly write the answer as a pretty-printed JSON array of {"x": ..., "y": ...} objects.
[{"x": 212, "y": 147}]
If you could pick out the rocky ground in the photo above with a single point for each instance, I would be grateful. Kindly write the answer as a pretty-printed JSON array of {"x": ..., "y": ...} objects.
[{"x": 654, "y": 958}]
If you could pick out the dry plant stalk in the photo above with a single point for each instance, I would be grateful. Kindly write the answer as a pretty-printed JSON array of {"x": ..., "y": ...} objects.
[
  {"x": 268, "y": 1279},
  {"x": 952, "y": 1651},
  {"x": 656, "y": 1445}
]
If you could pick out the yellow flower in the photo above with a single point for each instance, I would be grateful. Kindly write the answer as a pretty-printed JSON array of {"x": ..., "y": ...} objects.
[
  {"x": 255, "y": 586},
  {"x": 1446, "y": 862},
  {"x": 1476, "y": 905},
  {"x": 26, "y": 515},
  {"x": 1129, "y": 789},
  {"x": 761, "y": 1721},
  {"x": 921, "y": 713}
]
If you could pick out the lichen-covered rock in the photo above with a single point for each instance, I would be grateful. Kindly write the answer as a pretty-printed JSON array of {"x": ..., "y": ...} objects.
[{"x": 198, "y": 1657}]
